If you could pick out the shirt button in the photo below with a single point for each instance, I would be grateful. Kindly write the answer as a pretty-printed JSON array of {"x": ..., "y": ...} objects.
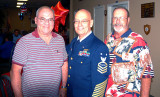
[
  {"x": 70, "y": 67},
  {"x": 81, "y": 62},
  {"x": 71, "y": 58},
  {"x": 68, "y": 75},
  {"x": 68, "y": 85}
]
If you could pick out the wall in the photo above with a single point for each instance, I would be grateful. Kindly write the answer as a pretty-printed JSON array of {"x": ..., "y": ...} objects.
[
  {"x": 11, "y": 14},
  {"x": 137, "y": 24},
  {"x": 89, "y": 5}
]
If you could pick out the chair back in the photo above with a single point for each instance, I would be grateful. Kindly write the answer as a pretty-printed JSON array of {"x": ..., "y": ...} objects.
[{"x": 5, "y": 86}]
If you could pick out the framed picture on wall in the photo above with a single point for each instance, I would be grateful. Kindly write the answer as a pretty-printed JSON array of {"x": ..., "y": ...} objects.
[{"x": 147, "y": 10}]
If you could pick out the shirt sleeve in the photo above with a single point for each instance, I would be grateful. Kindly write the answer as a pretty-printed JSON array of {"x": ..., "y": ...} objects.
[
  {"x": 145, "y": 60},
  {"x": 20, "y": 53},
  {"x": 64, "y": 52},
  {"x": 142, "y": 56},
  {"x": 100, "y": 71}
]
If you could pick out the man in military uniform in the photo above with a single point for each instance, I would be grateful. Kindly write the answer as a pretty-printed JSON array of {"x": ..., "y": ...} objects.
[{"x": 88, "y": 60}]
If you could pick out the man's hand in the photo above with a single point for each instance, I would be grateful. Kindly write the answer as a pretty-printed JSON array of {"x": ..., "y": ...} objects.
[{"x": 63, "y": 92}]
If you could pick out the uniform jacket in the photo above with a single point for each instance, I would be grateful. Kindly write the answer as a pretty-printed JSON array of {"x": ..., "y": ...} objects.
[{"x": 88, "y": 67}]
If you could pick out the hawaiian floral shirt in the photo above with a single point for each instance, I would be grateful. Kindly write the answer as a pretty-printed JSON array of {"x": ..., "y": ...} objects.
[{"x": 129, "y": 62}]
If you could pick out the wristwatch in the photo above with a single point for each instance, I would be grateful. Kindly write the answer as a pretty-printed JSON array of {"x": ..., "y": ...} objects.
[{"x": 63, "y": 87}]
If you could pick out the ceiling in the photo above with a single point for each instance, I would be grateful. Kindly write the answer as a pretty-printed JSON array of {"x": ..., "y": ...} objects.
[{"x": 34, "y": 3}]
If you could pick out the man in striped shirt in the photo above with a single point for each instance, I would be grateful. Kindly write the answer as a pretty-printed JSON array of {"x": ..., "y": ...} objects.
[{"x": 43, "y": 58}]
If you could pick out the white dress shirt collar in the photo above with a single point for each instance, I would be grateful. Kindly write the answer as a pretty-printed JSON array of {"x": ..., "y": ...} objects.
[{"x": 84, "y": 36}]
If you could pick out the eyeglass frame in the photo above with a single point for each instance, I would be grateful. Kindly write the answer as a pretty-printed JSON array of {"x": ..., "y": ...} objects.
[
  {"x": 119, "y": 18},
  {"x": 45, "y": 20},
  {"x": 85, "y": 21}
]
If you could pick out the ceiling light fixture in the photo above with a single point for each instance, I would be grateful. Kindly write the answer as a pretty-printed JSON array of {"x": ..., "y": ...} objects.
[
  {"x": 20, "y": 3},
  {"x": 22, "y": 0},
  {"x": 18, "y": 6}
]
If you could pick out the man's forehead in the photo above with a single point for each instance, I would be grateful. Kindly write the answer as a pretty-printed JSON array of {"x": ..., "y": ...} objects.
[
  {"x": 45, "y": 11},
  {"x": 120, "y": 12},
  {"x": 82, "y": 15}
]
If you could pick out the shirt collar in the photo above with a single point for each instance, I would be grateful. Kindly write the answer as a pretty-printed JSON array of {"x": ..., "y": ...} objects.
[
  {"x": 84, "y": 36},
  {"x": 35, "y": 34},
  {"x": 126, "y": 34}
]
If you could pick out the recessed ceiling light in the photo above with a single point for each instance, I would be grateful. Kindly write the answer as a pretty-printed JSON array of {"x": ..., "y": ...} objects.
[
  {"x": 22, "y": 0},
  {"x": 20, "y": 3},
  {"x": 18, "y": 6}
]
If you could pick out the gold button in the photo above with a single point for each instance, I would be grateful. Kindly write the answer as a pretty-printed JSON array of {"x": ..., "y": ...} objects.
[
  {"x": 68, "y": 75},
  {"x": 70, "y": 67},
  {"x": 71, "y": 58},
  {"x": 68, "y": 85},
  {"x": 81, "y": 62}
]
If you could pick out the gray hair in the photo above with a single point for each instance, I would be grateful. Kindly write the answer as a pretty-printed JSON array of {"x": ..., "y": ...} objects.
[
  {"x": 119, "y": 7},
  {"x": 43, "y": 7}
]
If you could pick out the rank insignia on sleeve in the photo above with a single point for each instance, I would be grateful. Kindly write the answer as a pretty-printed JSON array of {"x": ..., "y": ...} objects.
[
  {"x": 102, "y": 66},
  {"x": 85, "y": 53}
]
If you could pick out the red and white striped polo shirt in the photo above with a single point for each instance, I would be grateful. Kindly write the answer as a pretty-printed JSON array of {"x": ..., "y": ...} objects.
[{"x": 41, "y": 64}]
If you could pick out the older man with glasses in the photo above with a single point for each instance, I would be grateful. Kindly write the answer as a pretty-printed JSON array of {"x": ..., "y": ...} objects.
[
  {"x": 43, "y": 58},
  {"x": 130, "y": 61},
  {"x": 88, "y": 60}
]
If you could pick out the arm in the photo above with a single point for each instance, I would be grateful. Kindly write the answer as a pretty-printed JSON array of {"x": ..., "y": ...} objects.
[
  {"x": 100, "y": 71},
  {"x": 64, "y": 73},
  {"x": 145, "y": 87},
  {"x": 64, "y": 78},
  {"x": 15, "y": 75}
]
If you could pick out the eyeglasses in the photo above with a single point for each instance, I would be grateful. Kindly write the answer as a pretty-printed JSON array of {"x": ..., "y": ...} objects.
[
  {"x": 50, "y": 20},
  {"x": 82, "y": 21},
  {"x": 119, "y": 18}
]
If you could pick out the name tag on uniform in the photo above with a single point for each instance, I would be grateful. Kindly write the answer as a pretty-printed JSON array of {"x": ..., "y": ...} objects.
[{"x": 84, "y": 53}]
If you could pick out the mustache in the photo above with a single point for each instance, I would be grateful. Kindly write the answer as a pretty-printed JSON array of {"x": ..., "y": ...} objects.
[{"x": 117, "y": 25}]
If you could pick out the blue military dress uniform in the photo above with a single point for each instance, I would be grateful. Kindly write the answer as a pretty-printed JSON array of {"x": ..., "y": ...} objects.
[{"x": 88, "y": 67}]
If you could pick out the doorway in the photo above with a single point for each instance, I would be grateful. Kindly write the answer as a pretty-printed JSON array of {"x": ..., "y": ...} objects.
[{"x": 99, "y": 21}]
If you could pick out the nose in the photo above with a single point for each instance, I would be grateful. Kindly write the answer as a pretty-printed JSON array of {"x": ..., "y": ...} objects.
[
  {"x": 47, "y": 21},
  {"x": 118, "y": 20},
  {"x": 80, "y": 23}
]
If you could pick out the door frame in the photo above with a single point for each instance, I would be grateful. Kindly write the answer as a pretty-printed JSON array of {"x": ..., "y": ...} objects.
[{"x": 94, "y": 25}]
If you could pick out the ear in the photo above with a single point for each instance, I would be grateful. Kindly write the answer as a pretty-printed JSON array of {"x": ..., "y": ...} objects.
[
  {"x": 91, "y": 23},
  {"x": 128, "y": 20},
  {"x": 35, "y": 19}
]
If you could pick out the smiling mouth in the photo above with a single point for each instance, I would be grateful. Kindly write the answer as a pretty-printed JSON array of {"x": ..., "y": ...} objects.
[
  {"x": 117, "y": 25},
  {"x": 80, "y": 28}
]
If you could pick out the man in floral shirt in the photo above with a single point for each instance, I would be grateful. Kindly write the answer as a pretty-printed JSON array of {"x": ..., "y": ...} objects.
[{"x": 130, "y": 61}]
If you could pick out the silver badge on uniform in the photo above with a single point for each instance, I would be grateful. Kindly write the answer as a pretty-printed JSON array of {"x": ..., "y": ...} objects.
[{"x": 102, "y": 66}]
